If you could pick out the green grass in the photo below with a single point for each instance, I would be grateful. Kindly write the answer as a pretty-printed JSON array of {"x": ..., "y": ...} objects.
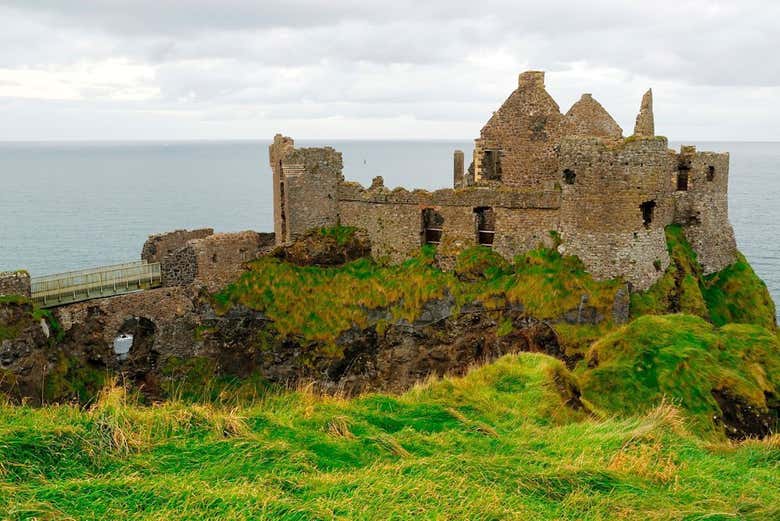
[
  {"x": 497, "y": 444},
  {"x": 737, "y": 294},
  {"x": 342, "y": 234},
  {"x": 681, "y": 358},
  {"x": 317, "y": 304},
  {"x": 734, "y": 294}
]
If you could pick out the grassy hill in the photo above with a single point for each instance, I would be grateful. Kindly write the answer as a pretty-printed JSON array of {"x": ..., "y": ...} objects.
[{"x": 504, "y": 442}]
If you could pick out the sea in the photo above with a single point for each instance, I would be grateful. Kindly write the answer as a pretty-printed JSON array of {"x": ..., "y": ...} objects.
[{"x": 74, "y": 205}]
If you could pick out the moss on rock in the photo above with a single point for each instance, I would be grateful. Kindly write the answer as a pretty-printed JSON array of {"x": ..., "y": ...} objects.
[
  {"x": 737, "y": 294},
  {"x": 733, "y": 295},
  {"x": 687, "y": 360}
]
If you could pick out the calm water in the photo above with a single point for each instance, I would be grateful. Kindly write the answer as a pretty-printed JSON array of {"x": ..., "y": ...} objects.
[{"x": 71, "y": 206}]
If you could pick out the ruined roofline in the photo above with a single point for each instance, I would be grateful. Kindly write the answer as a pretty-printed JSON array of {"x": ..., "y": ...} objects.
[{"x": 534, "y": 80}]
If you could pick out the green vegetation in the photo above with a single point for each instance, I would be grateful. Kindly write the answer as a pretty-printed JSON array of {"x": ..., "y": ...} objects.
[
  {"x": 497, "y": 444},
  {"x": 735, "y": 294},
  {"x": 317, "y": 304},
  {"x": 678, "y": 290},
  {"x": 635, "y": 431},
  {"x": 342, "y": 234},
  {"x": 682, "y": 358}
]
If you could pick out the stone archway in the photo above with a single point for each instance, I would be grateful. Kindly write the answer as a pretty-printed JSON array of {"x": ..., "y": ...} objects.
[{"x": 134, "y": 349}]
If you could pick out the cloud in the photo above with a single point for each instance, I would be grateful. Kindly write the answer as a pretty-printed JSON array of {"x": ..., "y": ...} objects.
[{"x": 379, "y": 63}]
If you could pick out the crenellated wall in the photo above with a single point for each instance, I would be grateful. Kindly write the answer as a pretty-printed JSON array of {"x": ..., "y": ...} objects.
[{"x": 394, "y": 217}]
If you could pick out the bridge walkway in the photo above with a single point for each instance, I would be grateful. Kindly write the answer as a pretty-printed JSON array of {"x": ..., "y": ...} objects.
[{"x": 105, "y": 281}]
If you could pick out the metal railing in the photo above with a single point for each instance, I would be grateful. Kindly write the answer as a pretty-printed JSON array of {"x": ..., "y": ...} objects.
[{"x": 105, "y": 281}]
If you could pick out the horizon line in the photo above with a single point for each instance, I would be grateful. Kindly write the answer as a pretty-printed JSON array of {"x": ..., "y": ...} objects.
[{"x": 270, "y": 140}]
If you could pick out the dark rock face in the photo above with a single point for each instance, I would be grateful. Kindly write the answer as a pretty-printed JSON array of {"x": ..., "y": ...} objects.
[
  {"x": 21, "y": 362},
  {"x": 161, "y": 338},
  {"x": 320, "y": 249},
  {"x": 371, "y": 360},
  {"x": 742, "y": 420}
]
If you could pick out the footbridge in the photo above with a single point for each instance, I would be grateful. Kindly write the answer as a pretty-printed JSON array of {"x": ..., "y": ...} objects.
[{"x": 105, "y": 281}]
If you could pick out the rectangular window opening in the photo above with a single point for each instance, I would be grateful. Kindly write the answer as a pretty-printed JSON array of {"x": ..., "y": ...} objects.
[
  {"x": 682, "y": 181},
  {"x": 491, "y": 165},
  {"x": 432, "y": 226},
  {"x": 648, "y": 211},
  {"x": 485, "y": 220}
]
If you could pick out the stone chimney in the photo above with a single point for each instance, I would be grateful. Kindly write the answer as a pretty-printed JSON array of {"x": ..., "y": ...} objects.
[
  {"x": 645, "y": 123},
  {"x": 458, "y": 169},
  {"x": 531, "y": 79}
]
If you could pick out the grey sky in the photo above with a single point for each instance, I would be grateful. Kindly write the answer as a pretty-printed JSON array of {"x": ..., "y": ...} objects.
[{"x": 224, "y": 69}]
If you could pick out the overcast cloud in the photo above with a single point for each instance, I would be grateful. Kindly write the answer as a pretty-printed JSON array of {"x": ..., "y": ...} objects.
[{"x": 228, "y": 69}]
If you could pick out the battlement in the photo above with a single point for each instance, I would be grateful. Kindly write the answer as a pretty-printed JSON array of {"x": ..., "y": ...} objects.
[{"x": 534, "y": 171}]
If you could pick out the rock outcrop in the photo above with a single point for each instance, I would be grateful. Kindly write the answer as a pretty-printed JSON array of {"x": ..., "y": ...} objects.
[{"x": 326, "y": 247}]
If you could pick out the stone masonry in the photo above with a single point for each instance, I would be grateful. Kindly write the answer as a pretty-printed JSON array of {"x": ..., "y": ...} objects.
[
  {"x": 158, "y": 246},
  {"x": 213, "y": 260},
  {"x": 534, "y": 171},
  {"x": 15, "y": 283}
]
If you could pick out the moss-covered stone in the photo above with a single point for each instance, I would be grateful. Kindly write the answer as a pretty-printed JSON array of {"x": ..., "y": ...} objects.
[
  {"x": 737, "y": 294},
  {"x": 317, "y": 304},
  {"x": 693, "y": 363},
  {"x": 733, "y": 295}
]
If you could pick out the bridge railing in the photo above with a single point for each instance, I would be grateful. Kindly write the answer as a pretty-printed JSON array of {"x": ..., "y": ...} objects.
[{"x": 105, "y": 281}]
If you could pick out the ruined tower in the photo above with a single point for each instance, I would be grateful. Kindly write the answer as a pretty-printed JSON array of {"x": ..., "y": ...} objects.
[
  {"x": 645, "y": 122},
  {"x": 534, "y": 171}
]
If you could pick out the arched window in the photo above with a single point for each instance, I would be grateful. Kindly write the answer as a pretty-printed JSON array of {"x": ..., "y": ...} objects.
[{"x": 569, "y": 176}]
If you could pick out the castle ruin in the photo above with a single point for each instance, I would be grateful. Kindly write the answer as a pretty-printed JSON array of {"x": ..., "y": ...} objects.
[{"x": 534, "y": 171}]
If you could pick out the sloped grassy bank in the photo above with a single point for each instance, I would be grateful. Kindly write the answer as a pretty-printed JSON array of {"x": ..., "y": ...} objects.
[
  {"x": 499, "y": 443},
  {"x": 722, "y": 378},
  {"x": 734, "y": 295}
]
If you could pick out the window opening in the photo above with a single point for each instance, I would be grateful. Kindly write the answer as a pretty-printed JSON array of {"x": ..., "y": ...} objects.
[
  {"x": 432, "y": 226},
  {"x": 648, "y": 209},
  {"x": 486, "y": 225}
]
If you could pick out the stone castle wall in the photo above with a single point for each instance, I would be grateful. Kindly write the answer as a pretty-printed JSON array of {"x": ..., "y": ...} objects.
[
  {"x": 602, "y": 221},
  {"x": 702, "y": 210},
  {"x": 523, "y": 132},
  {"x": 158, "y": 246},
  {"x": 393, "y": 218},
  {"x": 215, "y": 260},
  {"x": 14, "y": 283},
  {"x": 305, "y": 186}
]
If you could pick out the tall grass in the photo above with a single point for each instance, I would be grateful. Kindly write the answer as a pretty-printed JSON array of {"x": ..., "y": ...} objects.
[{"x": 498, "y": 443}]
